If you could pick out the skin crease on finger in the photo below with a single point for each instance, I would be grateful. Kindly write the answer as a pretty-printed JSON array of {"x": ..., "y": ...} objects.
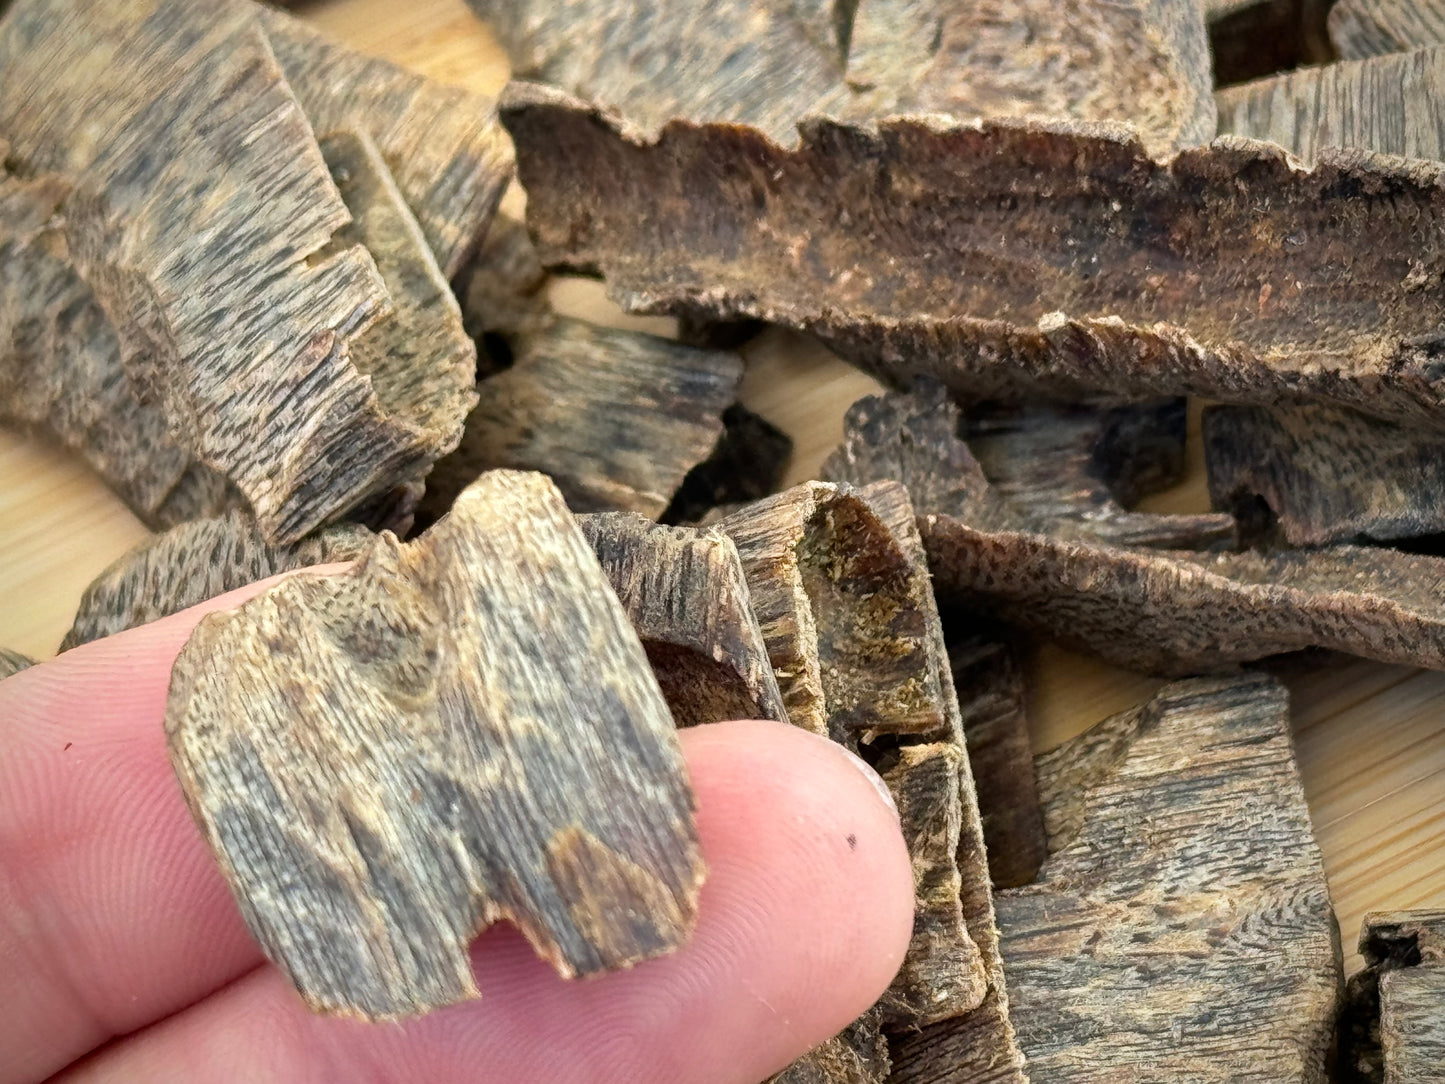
[{"x": 112, "y": 916}]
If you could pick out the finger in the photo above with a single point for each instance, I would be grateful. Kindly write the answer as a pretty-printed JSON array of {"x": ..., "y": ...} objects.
[
  {"x": 112, "y": 912},
  {"x": 804, "y": 919}
]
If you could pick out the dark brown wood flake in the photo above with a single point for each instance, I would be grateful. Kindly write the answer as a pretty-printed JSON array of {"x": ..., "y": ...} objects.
[
  {"x": 450, "y": 158},
  {"x": 1321, "y": 475},
  {"x": 685, "y": 593},
  {"x": 204, "y": 220},
  {"x": 1392, "y": 1028},
  {"x": 1203, "y": 948},
  {"x": 1010, "y": 258},
  {"x": 193, "y": 562},
  {"x": 769, "y": 64},
  {"x": 12, "y": 662},
  {"x": 455, "y": 731},
  {"x": 1361, "y": 28}
]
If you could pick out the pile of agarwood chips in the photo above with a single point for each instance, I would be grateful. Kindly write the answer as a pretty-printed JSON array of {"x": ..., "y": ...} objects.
[{"x": 259, "y": 283}]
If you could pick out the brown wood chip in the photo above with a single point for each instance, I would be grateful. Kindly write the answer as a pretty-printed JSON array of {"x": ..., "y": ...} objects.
[
  {"x": 1014, "y": 258},
  {"x": 1322, "y": 475},
  {"x": 12, "y": 662},
  {"x": 457, "y": 730},
  {"x": 770, "y": 64},
  {"x": 236, "y": 312},
  {"x": 687, "y": 598},
  {"x": 193, "y": 562},
  {"x": 857, "y": 1055},
  {"x": 1203, "y": 948},
  {"x": 1361, "y": 28},
  {"x": 1392, "y": 1028},
  {"x": 451, "y": 159}
]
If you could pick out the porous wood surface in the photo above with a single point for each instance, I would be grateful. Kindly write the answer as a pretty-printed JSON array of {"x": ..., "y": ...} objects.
[{"x": 1370, "y": 738}]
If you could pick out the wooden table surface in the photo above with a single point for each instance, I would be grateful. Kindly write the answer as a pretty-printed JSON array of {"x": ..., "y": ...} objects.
[{"x": 1371, "y": 738}]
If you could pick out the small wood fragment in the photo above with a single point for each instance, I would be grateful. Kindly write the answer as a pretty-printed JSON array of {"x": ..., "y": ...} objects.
[
  {"x": 1202, "y": 949},
  {"x": 1322, "y": 475},
  {"x": 856, "y": 1055},
  {"x": 12, "y": 662},
  {"x": 456, "y": 730},
  {"x": 193, "y": 562},
  {"x": 769, "y": 65},
  {"x": 990, "y": 687},
  {"x": 616, "y": 418},
  {"x": 450, "y": 158},
  {"x": 687, "y": 598},
  {"x": 1014, "y": 259},
  {"x": 1392, "y": 1028},
  {"x": 1362, "y": 28},
  {"x": 234, "y": 312}
]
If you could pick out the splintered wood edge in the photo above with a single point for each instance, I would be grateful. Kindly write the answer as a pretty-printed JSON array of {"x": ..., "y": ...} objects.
[{"x": 203, "y": 662}]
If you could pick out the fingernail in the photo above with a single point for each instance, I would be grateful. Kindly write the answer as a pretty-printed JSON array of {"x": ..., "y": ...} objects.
[{"x": 874, "y": 779}]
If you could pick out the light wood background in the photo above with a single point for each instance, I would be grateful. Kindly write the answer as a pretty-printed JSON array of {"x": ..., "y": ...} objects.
[{"x": 1371, "y": 738}]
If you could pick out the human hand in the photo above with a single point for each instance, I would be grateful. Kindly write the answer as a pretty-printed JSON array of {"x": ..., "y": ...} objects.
[{"x": 123, "y": 956}]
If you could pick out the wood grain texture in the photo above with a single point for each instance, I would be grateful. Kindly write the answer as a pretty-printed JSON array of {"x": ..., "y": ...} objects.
[
  {"x": 1363, "y": 28},
  {"x": 12, "y": 662},
  {"x": 1392, "y": 1027},
  {"x": 1320, "y": 475},
  {"x": 230, "y": 309},
  {"x": 768, "y": 64},
  {"x": 856, "y": 1055},
  {"x": 193, "y": 562},
  {"x": 1203, "y": 948},
  {"x": 848, "y": 620},
  {"x": 687, "y": 598},
  {"x": 1370, "y": 739},
  {"x": 1390, "y": 104},
  {"x": 1011, "y": 259},
  {"x": 536, "y": 776}
]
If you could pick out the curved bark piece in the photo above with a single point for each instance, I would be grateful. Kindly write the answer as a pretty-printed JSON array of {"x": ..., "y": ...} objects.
[
  {"x": 233, "y": 311},
  {"x": 1054, "y": 466},
  {"x": 457, "y": 730},
  {"x": 1386, "y": 104},
  {"x": 1361, "y": 28},
  {"x": 1203, "y": 949},
  {"x": 12, "y": 662},
  {"x": 1392, "y": 1028},
  {"x": 1011, "y": 259},
  {"x": 684, "y": 591},
  {"x": 768, "y": 64},
  {"x": 1176, "y": 613},
  {"x": 1324, "y": 475},
  {"x": 450, "y": 158},
  {"x": 193, "y": 562},
  {"x": 616, "y": 418}
]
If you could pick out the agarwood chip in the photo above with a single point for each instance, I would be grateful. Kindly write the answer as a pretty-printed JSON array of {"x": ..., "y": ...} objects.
[
  {"x": 687, "y": 598},
  {"x": 1392, "y": 1027},
  {"x": 770, "y": 63},
  {"x": 1177, "y": 613},
  {"x": 1324, "y": 475},
  {"x": 451, "y": 160},
  {"x": 990, "y": 687},
  {"x": 1051, "y": 470},
  {"x": 193, "y": 562},
  {"x": 616, "y": 418},
  {"x": 1010, "y": 258},
  {"x": 455, "y": 731},
  {"x": 856, "y": 1055},
  {"x": 1361, "y": 28},
  {"x": 979, "y": 1047},
  {"x": 204, "y": 219},
  {"x": 747, "y": 464},
  {"x": 12, "y": 662},
  {"x": 841, "y": 592},
  {"x": 1203, "y": 948}
]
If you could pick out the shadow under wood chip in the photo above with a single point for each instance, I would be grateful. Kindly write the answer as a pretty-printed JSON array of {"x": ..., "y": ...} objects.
[
  {"x": 1201, "y": 946},
  {"x": 1392, "y": 1027},
  {"x": 455, "y": 731},
  {"x": 1011, "y": 259},
  {"x": 686, "y": 595}
]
